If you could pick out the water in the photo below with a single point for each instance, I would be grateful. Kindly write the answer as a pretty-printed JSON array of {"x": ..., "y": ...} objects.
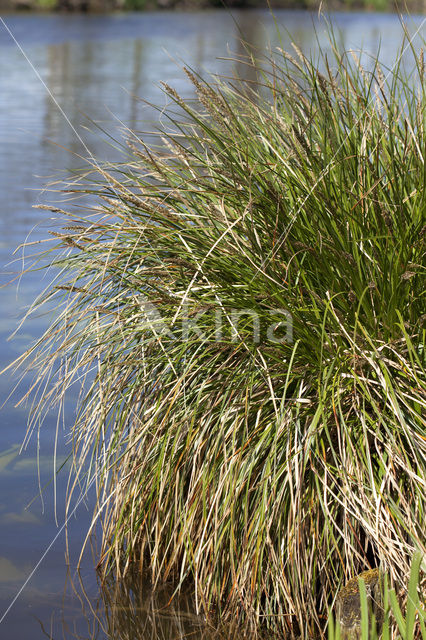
[{"x": 74, "y": 77}]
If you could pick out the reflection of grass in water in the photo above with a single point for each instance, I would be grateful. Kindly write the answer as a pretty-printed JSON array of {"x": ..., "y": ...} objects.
[
  {"x": 11, "y": 462},
  {"x": 262, "y": 472},
  {"x": 135, "y": 611},
  {"x": 16, "y": 518},
  {"x": 8, "y": 456},
  {"x": 44, "y": 463},
  {"x": 10, "y": 572},
  {"x": 131, "y": 609}
]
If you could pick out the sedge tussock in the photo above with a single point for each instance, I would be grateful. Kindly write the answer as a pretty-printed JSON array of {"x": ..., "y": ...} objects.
[{"x": 245, "y": 310}]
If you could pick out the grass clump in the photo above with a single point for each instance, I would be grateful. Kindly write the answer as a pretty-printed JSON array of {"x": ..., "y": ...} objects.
[{"x": 245, "y": 305}]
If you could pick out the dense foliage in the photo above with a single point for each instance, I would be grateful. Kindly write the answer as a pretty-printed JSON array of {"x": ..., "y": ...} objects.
[
  {"x": 247, "y": 305},
  {"x": 414, "y": 6}
]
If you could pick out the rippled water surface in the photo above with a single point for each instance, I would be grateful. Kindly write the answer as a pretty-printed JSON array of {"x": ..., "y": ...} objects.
[{"x": 67, "y": 81}]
